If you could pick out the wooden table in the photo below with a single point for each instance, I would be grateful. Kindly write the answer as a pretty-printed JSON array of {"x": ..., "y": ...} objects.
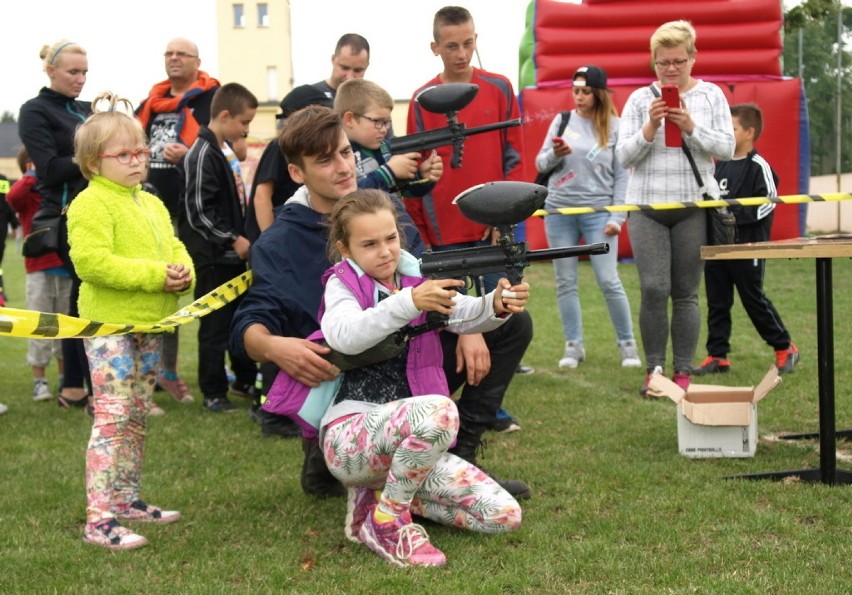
[{"x": 823, "y": 250}]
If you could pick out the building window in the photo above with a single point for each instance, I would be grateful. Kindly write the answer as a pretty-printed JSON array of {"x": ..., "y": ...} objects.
[
  {"x": 263, "y": 14},
  {"x": 239, "y": 16}
]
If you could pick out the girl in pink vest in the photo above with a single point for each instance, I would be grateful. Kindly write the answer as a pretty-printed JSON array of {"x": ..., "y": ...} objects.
[{"x": 386, "y": 434}]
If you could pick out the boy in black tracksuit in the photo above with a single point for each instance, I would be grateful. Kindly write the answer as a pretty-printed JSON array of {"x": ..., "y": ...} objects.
[
  {"x": 746, "y": 175},
  {"x": 210, "y": 224}
]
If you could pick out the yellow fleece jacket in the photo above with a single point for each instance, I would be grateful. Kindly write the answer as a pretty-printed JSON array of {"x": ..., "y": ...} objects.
[{"x": 121, "y": 241}]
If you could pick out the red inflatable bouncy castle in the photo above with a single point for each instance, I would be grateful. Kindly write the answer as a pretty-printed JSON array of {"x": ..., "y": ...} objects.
[{"x": 739, "y": 46}]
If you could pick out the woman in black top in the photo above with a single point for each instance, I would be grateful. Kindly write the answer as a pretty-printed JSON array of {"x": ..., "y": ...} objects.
[{"x": 47, "y": 124}]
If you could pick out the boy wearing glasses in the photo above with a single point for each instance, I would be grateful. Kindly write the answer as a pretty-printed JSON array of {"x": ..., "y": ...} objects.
[
  {"x": 364, "y": 108},
  {"x": 210, "y": 223}
]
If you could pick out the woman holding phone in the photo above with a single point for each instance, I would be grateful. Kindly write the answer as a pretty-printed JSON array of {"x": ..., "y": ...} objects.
[
  {"x": 666, "y": 243},
  {"x": 579, "y": 156}
]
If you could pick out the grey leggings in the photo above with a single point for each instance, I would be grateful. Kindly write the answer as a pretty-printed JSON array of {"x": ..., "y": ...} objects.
[{"x": 667, "y": 249}]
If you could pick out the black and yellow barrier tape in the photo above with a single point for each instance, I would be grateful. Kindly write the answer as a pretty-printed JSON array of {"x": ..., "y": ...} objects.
[
  {"x": 790, "y": 199},
  {"x": 43, "y": 325}
]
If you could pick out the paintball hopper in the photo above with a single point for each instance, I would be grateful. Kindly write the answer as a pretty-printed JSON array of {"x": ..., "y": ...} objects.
[
  {"x": 501, "y": 204},
  {"x": 449, "y": 97}
]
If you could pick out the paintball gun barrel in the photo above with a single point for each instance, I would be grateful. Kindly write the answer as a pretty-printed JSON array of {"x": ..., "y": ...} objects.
[
  {"x": 501, "y": 205},
  {"x": 445, "y": 99}
]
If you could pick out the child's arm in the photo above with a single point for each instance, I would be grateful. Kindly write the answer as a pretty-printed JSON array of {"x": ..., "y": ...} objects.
[
  {"x": 483, "y": 314},
  {"x": 202, "y": 194},
  {"x": 350, "y": 330}
]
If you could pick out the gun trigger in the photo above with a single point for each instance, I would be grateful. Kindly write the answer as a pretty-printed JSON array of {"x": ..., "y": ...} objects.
[{"x": 468, "y": 285}]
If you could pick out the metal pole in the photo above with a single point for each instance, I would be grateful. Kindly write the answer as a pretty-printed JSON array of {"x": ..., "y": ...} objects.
[{"x": 838, "y": 135}]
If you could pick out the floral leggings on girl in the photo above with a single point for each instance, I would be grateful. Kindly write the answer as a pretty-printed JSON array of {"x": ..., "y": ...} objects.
[
  {"x": 124, "y": 370},
  {"x": 401, "y": 448}
]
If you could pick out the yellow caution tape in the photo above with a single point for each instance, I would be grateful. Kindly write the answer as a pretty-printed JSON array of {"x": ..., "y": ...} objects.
[
  {"x": 789, "y": 199},
  {"x": 4, "y": 186},
  {"x": 44, "y": 325}
]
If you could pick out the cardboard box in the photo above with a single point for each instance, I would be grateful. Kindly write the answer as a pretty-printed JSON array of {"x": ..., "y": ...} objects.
[{"x": 716, "y": 421}]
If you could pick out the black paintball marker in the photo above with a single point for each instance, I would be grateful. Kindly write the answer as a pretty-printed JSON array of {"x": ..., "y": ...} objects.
[
  {"x": 501, "y": 205},
  {"x": 445, "y": 99}
]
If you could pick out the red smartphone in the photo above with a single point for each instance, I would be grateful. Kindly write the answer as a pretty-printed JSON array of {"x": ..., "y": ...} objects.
[
  {"x": 671, "y": 96},
  {"x": 557, "y": 140}
]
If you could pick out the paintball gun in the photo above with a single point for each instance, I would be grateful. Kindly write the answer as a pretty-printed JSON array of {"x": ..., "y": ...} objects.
[
  {"x": 501, "y": 205},
  {"x": 445, "y": 99}
]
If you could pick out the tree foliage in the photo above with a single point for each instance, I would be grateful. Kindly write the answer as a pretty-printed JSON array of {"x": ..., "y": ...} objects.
[
  {"x": 7, "y": 116},
  {"x": 817, "y": 20}
]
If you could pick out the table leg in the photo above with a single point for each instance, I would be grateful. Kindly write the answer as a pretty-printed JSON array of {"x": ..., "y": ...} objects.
[{"x": 827, "y": 472}]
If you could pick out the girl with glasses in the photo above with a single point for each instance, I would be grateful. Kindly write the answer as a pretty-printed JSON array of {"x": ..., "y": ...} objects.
[{"x": 133, "y": 269}]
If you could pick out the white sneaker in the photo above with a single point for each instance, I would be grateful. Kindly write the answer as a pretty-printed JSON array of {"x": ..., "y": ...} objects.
[
  {"x": 574, "y": 354},
  {"x": 629, "y": 354},
  {"x": 41, "y": 392},
  {"x": 3, "y": 409}
]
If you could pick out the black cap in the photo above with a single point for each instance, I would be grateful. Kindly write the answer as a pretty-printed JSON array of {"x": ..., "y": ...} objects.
[
  {"x": 303, "y": 96},
  {"x": 595, "y": 77}
]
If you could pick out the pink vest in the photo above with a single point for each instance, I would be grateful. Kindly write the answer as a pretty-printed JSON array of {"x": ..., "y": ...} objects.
[{"x": 306, "y": 406}]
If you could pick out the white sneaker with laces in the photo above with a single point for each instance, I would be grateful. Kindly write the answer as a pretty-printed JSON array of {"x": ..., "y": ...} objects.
[
  {"x": 629, "y": 354},
  {"x": 41, "y": 391},
  {"x": 574, "y": 354}
]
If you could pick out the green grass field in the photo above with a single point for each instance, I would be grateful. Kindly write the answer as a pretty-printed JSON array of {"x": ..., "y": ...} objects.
[{"x": 616, "y": 509}]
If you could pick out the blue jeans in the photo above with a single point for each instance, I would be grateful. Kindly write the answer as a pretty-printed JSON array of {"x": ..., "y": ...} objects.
[{"x": 566, "y": 230}]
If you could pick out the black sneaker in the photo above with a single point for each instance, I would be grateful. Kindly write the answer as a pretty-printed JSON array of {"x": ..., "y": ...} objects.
[
  {"x": 278, "y": 425},
  {"x": 505, "y": 425},
  {"x": 712, "y": 365},
  {"x": 255, "y": 413},
  {"x": 243, "y": 389},
  {"x": 517, "y": 488},
  {"x": 316, "y": 479},
  {"x": 524, "y": 370},
  {"x": 219, "y": 405}
]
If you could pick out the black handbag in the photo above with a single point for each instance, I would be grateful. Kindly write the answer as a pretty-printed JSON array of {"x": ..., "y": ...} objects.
[
  {"x": 721, "y": 222},
  {"x": 44, "y": 233}
]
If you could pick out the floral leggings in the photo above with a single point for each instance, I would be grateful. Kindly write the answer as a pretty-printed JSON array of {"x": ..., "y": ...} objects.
[
  {"x": 401, "y": 448},
  {"x": 124, "y": 369}
]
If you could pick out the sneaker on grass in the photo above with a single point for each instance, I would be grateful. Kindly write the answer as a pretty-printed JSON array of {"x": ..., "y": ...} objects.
[
  {"x": 401, "y": 542},
  {"x": 111, "y": 535},
  {"x": 219, "y": 405},
  {"x": 360, "y": 503},
  {"x": 786, "y": 359},
  {"x": 176, "y": 387},
  {"x": 574, "y": 354},
  {"x": 3, "y": 409},
  {"x": 41, "y": 391},
  {"x": 140, "y": 512},
  {"x": 629, "y": 354},
  {"x": 712, "y": 365}
]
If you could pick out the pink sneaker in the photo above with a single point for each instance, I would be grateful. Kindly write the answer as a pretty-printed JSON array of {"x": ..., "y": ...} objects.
[
  {"x": 682, "y": 380},
  {"x": 401, "y": 542},
  {"x": 176, "y": 388},
  {"x": 142, "y": 513},
  {"x": 111, "y": 535},
  {"x": 360, "y": 503}
]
